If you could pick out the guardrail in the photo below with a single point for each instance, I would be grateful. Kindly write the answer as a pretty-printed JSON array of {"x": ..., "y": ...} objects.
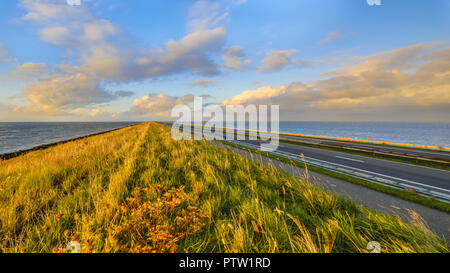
[{"x": 419, "y": 188}]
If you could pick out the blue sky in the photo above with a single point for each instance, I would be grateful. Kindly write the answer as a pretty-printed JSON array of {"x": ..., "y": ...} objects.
[{"x": 319, "y": 60}]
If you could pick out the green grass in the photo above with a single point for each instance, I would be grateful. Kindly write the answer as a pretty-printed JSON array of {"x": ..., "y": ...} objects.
[
  {"x": 433, "y": 203},
  {"x": 138, "y": 190}
]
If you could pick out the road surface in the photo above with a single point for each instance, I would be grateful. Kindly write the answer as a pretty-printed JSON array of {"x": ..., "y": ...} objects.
[
  {"x": 418, "y": 174},
  {"x": 400, "y": 150},
  {"x": 436, "y": 220}
]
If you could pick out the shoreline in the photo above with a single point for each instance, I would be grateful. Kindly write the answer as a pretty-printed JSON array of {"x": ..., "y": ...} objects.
[
  {"x": 18, "y": 153},
  {"x": 12, "y": 155}
]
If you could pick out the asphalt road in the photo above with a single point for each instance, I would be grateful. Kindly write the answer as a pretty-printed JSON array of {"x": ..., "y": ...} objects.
[
  {"x": 436, "y": 220},
  {"x": 390, "y": 149},
  {"x": 400, "y": 150},
  {"x": 414, "y": 173}
]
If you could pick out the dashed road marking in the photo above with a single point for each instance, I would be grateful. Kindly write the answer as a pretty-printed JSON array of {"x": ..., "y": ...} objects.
[{"x": 341, "y": 157}]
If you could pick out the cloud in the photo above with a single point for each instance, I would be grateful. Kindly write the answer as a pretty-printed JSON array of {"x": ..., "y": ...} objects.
[
  {"x": 238, "y": 2},
  {"x": 188, "y": 54},
  {"x": 47, "y": 11},
  {"x": 205, "y": 14},
  {"x": 277, "y": 60},
  {"x": 92, "y": 113},
  {"x": 233, "y": 57},
  {"x": 59, "y": 36},
  {"x": 29, "y": 71},
  {"x": 255, "y": 83},
  {"x": 124, "y": 94},
  {"x": 331, "y": 36},
  {"x": 260, "y": 94},
  {"x": 97, "y": 112},
  {"x": 106, "y": 54},
  {"x": 58, "y": 93},
  {"x": 407, "y": 81},
  {"x": 202, "y": 83},
  {"x": 5, "y": 56},
  {"x": 403, "y": 58},
  {"x": 158, "y": 105}
]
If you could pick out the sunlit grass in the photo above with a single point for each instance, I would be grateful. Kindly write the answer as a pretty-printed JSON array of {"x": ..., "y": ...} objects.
[{"x": 138, "y": 190}]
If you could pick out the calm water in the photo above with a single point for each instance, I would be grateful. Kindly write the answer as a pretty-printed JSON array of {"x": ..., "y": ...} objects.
[
  {"x": 415, "y": 133},
  {"x": 21, "y": 136}
]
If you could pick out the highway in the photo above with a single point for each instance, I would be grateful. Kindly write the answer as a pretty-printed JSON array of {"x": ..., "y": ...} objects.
[
  {"x": 427, "y": 181},
  {"x": 396, "y": 150},
  {"x": 413, "y": 174},
  {"x": 438, "y": 221},
  {"x": 390, "y": 149},
  {"x": 390, "y": 173}
]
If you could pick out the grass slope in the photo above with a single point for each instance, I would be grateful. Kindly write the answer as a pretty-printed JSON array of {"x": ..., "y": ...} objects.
[{"x": 138, "y": 190}]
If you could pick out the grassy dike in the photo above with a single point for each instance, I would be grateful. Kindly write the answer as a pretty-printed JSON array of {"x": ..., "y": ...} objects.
[{"x": 138, "y": 190}]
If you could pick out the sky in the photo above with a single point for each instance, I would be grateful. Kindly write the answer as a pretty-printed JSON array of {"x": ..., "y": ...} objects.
[{"x": 319, "y": 60}]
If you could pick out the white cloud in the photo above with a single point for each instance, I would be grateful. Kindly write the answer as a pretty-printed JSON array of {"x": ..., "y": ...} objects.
[
  {"x": 277, "y": 60},
  {"x": 188, "y": 54},
  {"x": 401, "y": 59},
  {"x": 261, "y": 94},
  {"x": 109, "y": 53},
  {"x": 99, "y": 31},
  {"x": 202, "y": 83},
  {"x": 5, "y": 55},
  {"x": 400, "y": 84},
  {"x": 59, "y": 36},
  {"x": 233, "y": 56},
  {"x": 97, "y": 112},
  {"x": 158, "y": 105},
  {"x": 106, "y": 54},
  {"x": 58, "y": 93},
  {"x": 29, "y": 71},
  {"x": 331, "y": 36},
  {"x": 204, "y": 14}
]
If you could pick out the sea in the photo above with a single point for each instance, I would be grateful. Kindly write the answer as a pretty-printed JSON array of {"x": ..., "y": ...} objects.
[{"x": 17, "y": 136}]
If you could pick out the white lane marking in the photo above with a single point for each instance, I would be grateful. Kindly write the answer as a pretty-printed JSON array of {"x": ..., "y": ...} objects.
[
  {"x": 333, "y": 185},
  {"x": 341, "y": 157},
  {"x": 395, "y": 207}
]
